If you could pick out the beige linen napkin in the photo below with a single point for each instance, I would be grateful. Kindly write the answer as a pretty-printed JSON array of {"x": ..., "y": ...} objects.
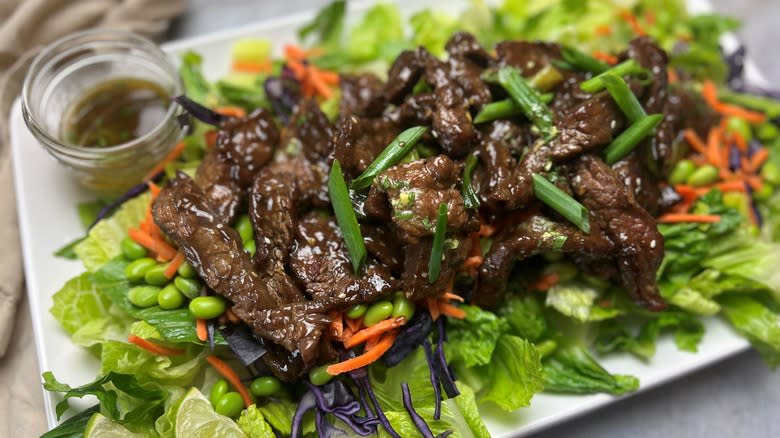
[{"x": 25, "y": 27}]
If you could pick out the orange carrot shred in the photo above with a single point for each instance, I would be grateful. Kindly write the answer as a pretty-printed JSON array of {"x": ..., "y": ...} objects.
[
  {"x": 367, "y": 358},
  {"x": 231, "y": 111},
  {"x": 252, "y": 67},
  {"x": 650, "y": 17},
  {"x": 632, "y": 21},
  {"x": 433, "y": 308},
  {"x": 374, "y": 331},
  {"x": 172, "y": 155},
  {"x": 294, "y": 52},
  {"x": 174, "y": 265},
  {"x": 487, "y": 230},
  {"x": 201, "y": 330},
  {"x": 451, "y": 311},
  {"x": 758, "y": 159},
  {"x": 336, "y": 329},
  {"x": 231, "y": 376},
  {"x": 713, "y": 145},
  {"x": 545, "y": 282},
  {"x": 730, "y": 186},
  {"x": 603, "y": 30},
  {"x": 153, "y": 348},
  {"x": 156, "y": 245},
  {"x": 672, "y": 218},
  {"x": 298, "y": 69},
  {"x": 672, "y": 76},
  {"x": 740, "y": 141},
  {"x": 319, "y": 85},
  {"x": 231, "y": 316},
  {"x": 154, "y": 189},
  {"x": 473, "y": 262},
  {"x": 606, "y": 57},
  {"x": 211, "y": 138},
  {"x": 354, "y": 324},
  {"x": 710, "y": 94},
  {"x": 695, "y": 141},
  {"x": 453, "y": 297}
]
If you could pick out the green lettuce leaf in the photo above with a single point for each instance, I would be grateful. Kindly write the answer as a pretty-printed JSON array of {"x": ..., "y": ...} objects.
[
  {"x": 377, "y": 35},
  {"x": 74, "y": 426},
  {"x": 615, "y": 336},
  {"x": 103, "y": 241},
  {"x": 755, "y": 321},
  {"x": 125, "y": 358},
  {"x": 165, "y": 425},
  {"x": 195, "y": 84},
  {"x": 572, "y": 370},
  {"x": 432, "y": 30},
  {"x": 578, "y": 301},
  {"x": 279, "y": 413},
  {"x": 253, "y": 423},
  {"x": 327, "y": 25},
  {"x": 514, "y": 374},
  {"x": 472, "y": 340},
  {"x": 525, "y": 317}
]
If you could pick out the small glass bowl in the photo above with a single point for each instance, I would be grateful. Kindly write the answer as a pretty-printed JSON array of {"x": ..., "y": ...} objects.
[{"x": 68, "y": 68}]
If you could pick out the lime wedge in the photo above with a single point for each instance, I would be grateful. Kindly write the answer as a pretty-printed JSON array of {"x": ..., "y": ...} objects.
[
  {"x": 197, "y": 419},
  {"x": 101, "y": 427}
]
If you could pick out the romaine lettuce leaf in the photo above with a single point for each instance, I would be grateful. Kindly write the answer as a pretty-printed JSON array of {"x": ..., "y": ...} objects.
[
  {"x": 755, "y": 321},
  {"x": 525, "y": 317},
  {"x": 473, "y": 339},
  {"x": 253, "y": 424},
  {"x": 279, "y": 413},
  {"x": 578, "y": 301},
  {"x": 432, "y": 30},
  {"x": 514, "y": 374},
  {"x": 378, "y": 35},
  {"x": 572, "y": 370},
  {"x": 615, "y": 336}
]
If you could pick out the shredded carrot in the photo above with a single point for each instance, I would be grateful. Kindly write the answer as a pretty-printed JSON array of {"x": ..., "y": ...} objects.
[
  {"x": 319, "y": 85},
  {"x": 433, "y": 308},
  {"x": 354, "y": 324},
  {"x": 368, "y": 357},
  {"x": 672, "y": 76},
  {"x": 713, "y": 145},
  {"x": 487, "y": 230},
  {"x": 374, "y": 331},
  {"x": 606, "y": 57},
  {"x": 453, "y": 297},
  {"x": 294, "y": 52},
  {"x": 371, "y": 343},
  {"x": 632, "y": 21},
  {"x": 172, "y": 155},
  {"x": 231, "y": 316},
  {"x": 710, "y": 94},
  {"x": 603, "y": 30},
  {"x": 451, "y": 311},
  {"x": 153, "y": 348},
  {"x": 231, "y": 111},
  {"x": 154, "y": 189},
  {"x": 672, "y": 218},
  {"x": 298, "y": 69},
  {"x": 252, "y": 67},
  {"x": 650, "y": 17},
  {"x": 729, "y": 186},
  {"x": 329, "y": 77},
  {"x": 545, "y": 282},
  {"x": 174, "y": 265},
  {"x": 754, "y": 182},
  {"x": 201, "y": 330},
  {"x": 231, "y": 376},
  {"x": 211, "y": 138},
  {"x": 695, "y": 141},
  {"x": 156, "y": 245},
  {"x": 740, "y": 141},
  {"x": 473, "y": 262},
  {"x": 758, "y": 159},
  {"x": 336, "y": 330},
  {"x": 686, "y": 191}
]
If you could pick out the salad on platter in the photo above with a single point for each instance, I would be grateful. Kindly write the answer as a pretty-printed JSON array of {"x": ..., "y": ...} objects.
[{"x": 399, "y": 222}]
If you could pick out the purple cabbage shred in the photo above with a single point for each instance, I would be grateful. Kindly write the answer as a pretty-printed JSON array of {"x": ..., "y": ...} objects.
[
  {"x": 413, "y": 334},
  {"x": 735, "y": 159},
  {"x": 199, "y": 111},
  {"x": 434, "y": 380},
  {"x": 418, "y": 421},
  {"x": 131, "y": 193},
  {"x": 445, "y": 375},
  {"x": 753, "y": 206},
  {"x": 283, "y": 93}
]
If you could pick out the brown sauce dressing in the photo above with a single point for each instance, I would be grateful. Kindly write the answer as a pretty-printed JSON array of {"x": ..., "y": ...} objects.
[{"x": 115, "y": 112}]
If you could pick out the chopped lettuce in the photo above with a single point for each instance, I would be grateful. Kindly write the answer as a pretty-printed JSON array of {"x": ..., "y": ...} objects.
[
  {"x": 578, "y": 301},
  {"x": 757, "y": 322},
  {"x": 195, "y": 83},
  {"x": 514, "y": 374},
  {"x": 473, "y": 339},
  {"x": 253, "y": 424},
  {"x": 327, "y": 26},
  {"x": 379, "y": 34},
  {"x": 279, "y": 413},
  {"x": 615, "y": 336},
  {"x": 525, "y": 317},
  {"x": 572, "y": 370},
  {"x": 432, "y": 30}
]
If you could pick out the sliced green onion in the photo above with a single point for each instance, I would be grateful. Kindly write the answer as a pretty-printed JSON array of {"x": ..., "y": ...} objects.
[
  {"x": 506, "y": 108},
  {"x": 583, "y": 61},
  {"x": 561, "y": 202},
  {"x": 345, "y": 216},
  {"x": 629, "y": 67},
  {"x": 624, "y": 98},
  {"x": 470, "y": 198},
  {"x": 392, "y": 154},
  {"x": 529, "y": 101},
  {"x": 628, "y": 139},
  {"x": 434, "y": 263},
  {"x": 546, "y": 78}
]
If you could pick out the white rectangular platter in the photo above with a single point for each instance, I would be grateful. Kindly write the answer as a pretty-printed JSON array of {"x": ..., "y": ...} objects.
[{"x": 47, "y": 196}]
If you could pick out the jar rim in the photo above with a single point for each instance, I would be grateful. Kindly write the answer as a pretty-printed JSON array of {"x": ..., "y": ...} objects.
[{"x": 90, "y": 36}]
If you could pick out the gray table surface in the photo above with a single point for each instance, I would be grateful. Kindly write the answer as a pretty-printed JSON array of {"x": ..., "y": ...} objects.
[{"x": 735, "y": 398}]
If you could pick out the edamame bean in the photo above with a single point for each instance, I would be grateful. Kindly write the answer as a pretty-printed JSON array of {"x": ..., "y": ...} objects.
[
  {"x": 356, "y": 311},
  {"x": 682, "y": 170},
  {"x": 378, "y": 311},
  {"x": 250, "y": 247},
  {"x": 170, "y": 298},
  {"x": 156, "y": 275},
  {"x": 319, "y": 375},
  {"x": 186, "y": 270},
  {"x": 244, "y": 228},
  {"x": 740, "y": 126},
  {"x": 143, "y": 296},
  {"x": 704, "y": 175},
  {"x": 207, "y": 307},
  {"x": 768, "y": 131},
  {"x": 764, "y": 193},
  {"x": 402, "y": 307},
  {"x": 132, "y": 250},
  {"x": 230, "y": 404},
  {"x": 190, "y": 287},
  {"x": 771, "y": 173},
  {"x": 265, "y": 386},
  {"x": 219, "y": 389},
  {"x": 136, "y": 270}
]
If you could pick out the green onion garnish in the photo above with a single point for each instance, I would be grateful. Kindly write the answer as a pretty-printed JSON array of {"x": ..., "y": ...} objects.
[
  {"x": 624, "y": 98},
  {"x": 628, "y": 139},
  {"x": 503, "y": 109},
  {"x": 546, "y": 78},
  {"x": 345, "y": 216},
  {"x": 392, "y": 154},
  {"x": 583, "y": 61},
  {"x": 470, "y": 198},
  {"x": 437, "y": 250},
  {"x": 561, "y": 202},
  {"x": 629, "y": 67},
  {"x": 528, "y": 100}
]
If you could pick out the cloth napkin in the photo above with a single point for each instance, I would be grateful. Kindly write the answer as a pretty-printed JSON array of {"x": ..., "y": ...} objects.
[{"x": 26, "y": 26}]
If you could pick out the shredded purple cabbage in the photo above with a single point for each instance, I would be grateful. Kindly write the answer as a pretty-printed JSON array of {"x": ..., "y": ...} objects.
[
  {"x": 360, "y": 377},
  {"x": 199, "y": 111},
  {"x": 753, "y": 206},
  {"x": 418, "y": 421},
  {"x": 307, "y": 403},
  {"x": 131, "y": 193},
  {"x": 434, "y": 380},
  {"x": 735, "y": 158},
  {"x": 283, "y": 93},
  {"x": 412, "y": 335},
  {"x": 446, "y": 378}
]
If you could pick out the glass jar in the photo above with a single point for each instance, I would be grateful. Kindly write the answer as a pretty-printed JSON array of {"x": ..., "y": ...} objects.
[{"x": 71, "y": 66}]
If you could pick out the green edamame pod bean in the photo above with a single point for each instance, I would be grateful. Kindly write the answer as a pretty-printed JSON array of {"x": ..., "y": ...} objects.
[
  {"x": 356, "y": 311},
  {"x": 768, "y": 131},
  {"x": 170, "y": 298},
  {"x": 244, "y": 228},
  {"x": 186, "y": 270},
  {"x": 740, "y": 126},
  {"x": 219, "y": 389},
  {"x": 250, "y": 247},
  {"x": 402, "y": 307},
  {"x": 230, "y": 404},
  {"x": 136, "y": 270},
  {"x": 764, "y": 193},
  {"x": 771, "y": 173},
  {"x": 190, "y": 287},
  {"x": 156, "y": 276},
  {"x": 132, "y": 250},
  {"x": 378, "y": 311},
  {"x": 319, "y": 375},
  {"x": 143, "y": 296},
  {"x": 265, "y": 386},
  {"x": 704, "y": 175},
  {"x": 682, "y": 170},
  {"x": 207, "y": 307}
]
